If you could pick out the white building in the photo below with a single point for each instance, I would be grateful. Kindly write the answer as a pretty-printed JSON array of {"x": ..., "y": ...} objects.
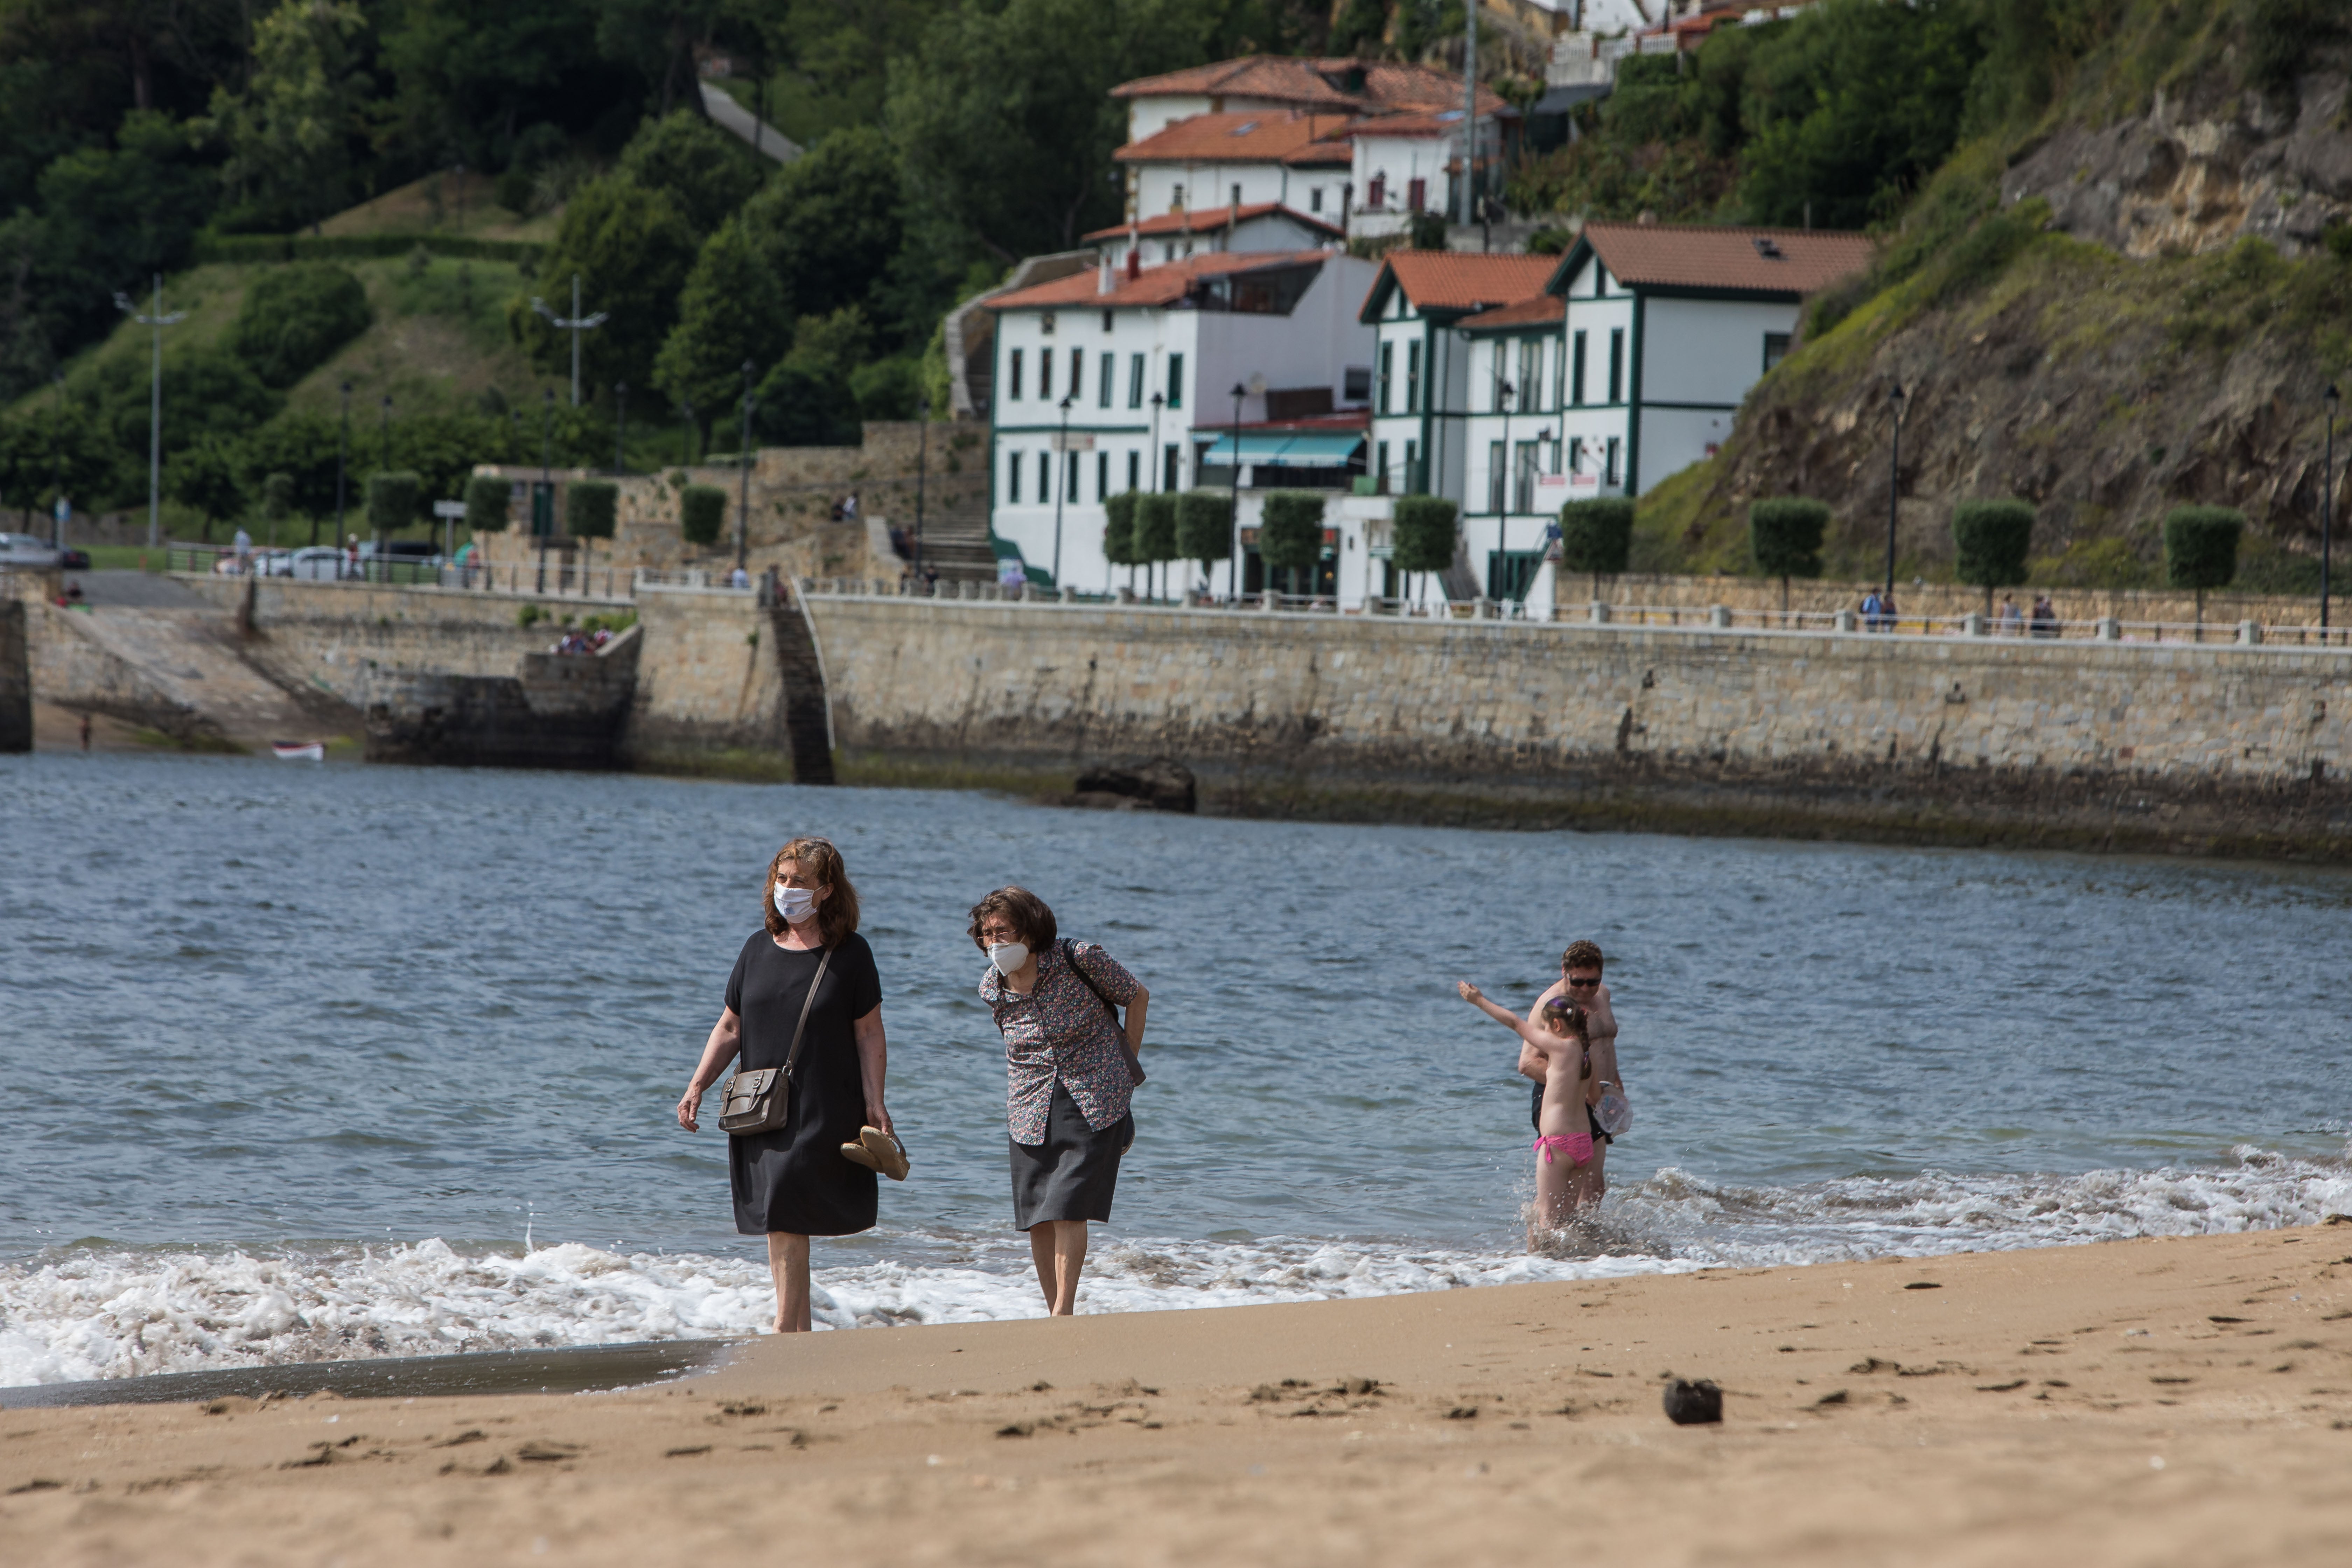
[
  {"x": 1123, "y": 378},
  {"x": 1515, "y": 445},
  {"x": 1171, "y": 236},
  {"x": 1204, "y": 166},
  {"x": 1666, "y": 327}
]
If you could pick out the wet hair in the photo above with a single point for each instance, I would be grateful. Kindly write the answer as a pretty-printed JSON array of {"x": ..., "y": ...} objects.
[
  {"x": 1581, "y": 954},
  {"x": 820, "y": 862},
  {"x": 1023, "y": 909},
  {"x": 1560, "y": 1010}
]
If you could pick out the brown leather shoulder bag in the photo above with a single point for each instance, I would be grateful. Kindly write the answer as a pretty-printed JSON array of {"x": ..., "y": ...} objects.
[{"x": 760, "y": 1100}]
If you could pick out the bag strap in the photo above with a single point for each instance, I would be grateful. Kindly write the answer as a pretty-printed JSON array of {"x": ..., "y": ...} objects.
[
  {"x": 1069, "y": 952},
  {"x": 793, "y": 1057}
]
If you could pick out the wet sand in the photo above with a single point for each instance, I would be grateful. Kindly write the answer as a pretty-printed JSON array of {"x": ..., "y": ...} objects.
[{"x": 2151, "y": 1402}]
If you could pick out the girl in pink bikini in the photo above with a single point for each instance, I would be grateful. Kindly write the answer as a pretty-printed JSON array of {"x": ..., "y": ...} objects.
[{"x": 1564, "y": 1135}]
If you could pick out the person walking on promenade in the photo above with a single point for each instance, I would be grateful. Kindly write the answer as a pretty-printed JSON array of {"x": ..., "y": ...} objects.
[
  {"x": 806, "y": 972},
  {"x": 1580, "y": 981},
  {"x": 1563, "y": 1146},
  {"x": 1070, "y": 1072}
]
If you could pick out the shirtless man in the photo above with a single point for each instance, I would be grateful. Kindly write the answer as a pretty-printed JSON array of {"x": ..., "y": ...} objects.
[{"x": 1580, "y": 981}]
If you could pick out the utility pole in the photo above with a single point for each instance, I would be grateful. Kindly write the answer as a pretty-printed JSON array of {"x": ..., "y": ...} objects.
[
  {"x": 1469, "y": 103},
  {"x": 922, "y": 461},
  {"x": 158, "y": 321},
  {"x": 1893, "y": 481},
  {"x": 546, "y": 482},
  {"x": 342, "y": 467},
  {"x": 1233, "y": 512},
  {"x": 1062, "y": 482},
  {"x": 620, "y": 429},
  {"x": 2327, "y": 507},
  {"x": 743, "y": 458},
  {"x": 575, "y": 324},
  {"x": 60, "y": 507}
]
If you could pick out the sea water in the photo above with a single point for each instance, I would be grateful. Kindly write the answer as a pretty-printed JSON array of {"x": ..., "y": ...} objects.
[{"x": 311, "y": 1062}]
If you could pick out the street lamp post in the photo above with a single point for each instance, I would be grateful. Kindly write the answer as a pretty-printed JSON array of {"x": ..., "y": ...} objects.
[
  {"x": 58, "y": 505},
  {"x": 2327, "y": 507},
  {"x": 743, "y": 460},
  {"x": 1504, "y": 392},
  {"x": 546, "y": 481},
  {"x": 686, "y": 442},
  {"x": 575, "y": 324},
  {"x": 620, "y": 429},
  {"x": 1894, "y": 400},
  {"x": 1234, "y": 517},
  {"x": 923, "y": 462},
  {"x": 385, "y": 463},
  {"x": 342, "y": 467},
  {"x": 156, "y": 320},
  {"x": 1062, "y": 481}
]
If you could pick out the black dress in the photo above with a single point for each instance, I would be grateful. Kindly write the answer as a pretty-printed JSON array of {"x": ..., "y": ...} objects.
[{"x": 794, "y": 1178}]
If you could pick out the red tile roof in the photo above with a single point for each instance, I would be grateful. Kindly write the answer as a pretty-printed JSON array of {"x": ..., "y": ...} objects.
[
  {"x": 1210, "y": 220},
  {"x": 1162, "y": 285},
  {"x": 1542, "y": 311},
  {"x": 1268, "y": 136},
  {"x": 1461, "y": 280},
  {"x": 1697, "y": 256},
  {"x": 1315, "y": 83}
]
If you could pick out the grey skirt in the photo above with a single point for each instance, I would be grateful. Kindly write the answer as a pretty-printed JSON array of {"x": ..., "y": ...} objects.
[{"x": 1073, "y": 1173}]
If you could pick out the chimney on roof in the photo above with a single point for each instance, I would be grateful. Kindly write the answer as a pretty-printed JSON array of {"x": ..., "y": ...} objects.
[
  {"x": 1134, "y": 254},
  {"x": 1104, "y": 283},
  {"x": 1647, "y": 217}
]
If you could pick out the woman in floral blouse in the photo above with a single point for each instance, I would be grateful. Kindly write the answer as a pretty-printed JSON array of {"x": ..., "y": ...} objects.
[{"x": 1070, "y": 1068}]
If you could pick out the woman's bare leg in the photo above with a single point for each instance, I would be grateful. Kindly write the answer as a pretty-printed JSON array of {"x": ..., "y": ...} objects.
[
  {"x": 788, "y": 1258},
  {"x": 1069, "y": 1257},
  {"x": 1555, "y": 1199},
  {"x": 1041, "y": 1253},
  {"x": 1591, "y": 1181}
]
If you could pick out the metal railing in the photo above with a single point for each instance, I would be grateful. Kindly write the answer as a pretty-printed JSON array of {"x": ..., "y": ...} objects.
[{"x": 552, "y": 578}]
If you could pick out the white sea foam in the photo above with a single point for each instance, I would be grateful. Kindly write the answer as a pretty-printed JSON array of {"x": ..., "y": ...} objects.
[{"x": 92, "y": 1314}]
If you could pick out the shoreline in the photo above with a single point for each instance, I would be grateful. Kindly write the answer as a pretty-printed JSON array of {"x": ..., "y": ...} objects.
[{"x": 2167, "y": 1400}]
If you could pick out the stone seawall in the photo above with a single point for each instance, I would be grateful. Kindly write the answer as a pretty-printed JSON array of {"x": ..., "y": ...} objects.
[{"x": 2214, "y": 749}]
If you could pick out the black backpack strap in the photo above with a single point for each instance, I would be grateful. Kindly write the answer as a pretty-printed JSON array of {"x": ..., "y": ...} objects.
[{"x": 1069, "y": 952}]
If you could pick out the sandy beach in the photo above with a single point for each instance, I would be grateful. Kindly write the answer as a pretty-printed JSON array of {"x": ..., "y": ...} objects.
[{"x": 2144, "y": 1402}]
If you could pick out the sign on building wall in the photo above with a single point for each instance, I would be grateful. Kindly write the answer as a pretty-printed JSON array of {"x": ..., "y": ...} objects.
[{"x": 1073, "y": 443}]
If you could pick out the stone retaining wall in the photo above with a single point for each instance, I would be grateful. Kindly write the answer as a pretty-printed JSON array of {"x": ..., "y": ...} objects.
[{"x": 1968, "y": 739}]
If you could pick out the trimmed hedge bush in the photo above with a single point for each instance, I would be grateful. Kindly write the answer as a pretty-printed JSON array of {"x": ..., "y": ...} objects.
[
  {"x": 591, "y": 509},
  {"x": 1155, "y": 530},
  {"x": 487, "y": 498},
  {"x": 393, "y": 499},
  {"x": 1596, "y": 537},
  {"x": 2200, "y": 546},
  {"x": 1204, "y": 527},
  {"x": 294, "y": 319},
  {"x": 1290, "y": 531},
  {"x": 1427, "y": 530},
  {"x": 1119, "y": 529},
  {"x": 1784, "y": 535},
  {"x": 701, "y": 510},
  {"x": 1990, "y": 540}
]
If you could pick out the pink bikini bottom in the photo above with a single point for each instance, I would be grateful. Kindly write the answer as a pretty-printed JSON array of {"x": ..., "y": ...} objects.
[{"x": 1579, "y": 1146}]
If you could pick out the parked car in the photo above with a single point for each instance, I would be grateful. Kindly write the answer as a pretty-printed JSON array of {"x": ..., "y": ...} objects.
[
  {"x": 405, "y": 560},
  {"x": 28, "y": 549},
  {"x": 74, "y": 560},
  {"x": 315, "y": 563}
]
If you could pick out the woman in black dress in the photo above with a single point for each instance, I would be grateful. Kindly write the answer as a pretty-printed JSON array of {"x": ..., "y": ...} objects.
[{"x": 794, "y": 1182}]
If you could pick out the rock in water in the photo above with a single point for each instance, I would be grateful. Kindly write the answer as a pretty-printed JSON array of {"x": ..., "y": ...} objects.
[
  {"x": 1696, "y": 1403},
  {"x": 1164, "y": 784}
]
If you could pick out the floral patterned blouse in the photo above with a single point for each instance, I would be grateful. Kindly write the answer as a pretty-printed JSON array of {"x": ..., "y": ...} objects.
[{"x": 1062, "y": 1032}]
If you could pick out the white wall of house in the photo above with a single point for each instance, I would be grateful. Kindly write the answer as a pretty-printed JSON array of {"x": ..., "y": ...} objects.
[
  {"x": 1151, "y": 116},
  {"x": 1533, "y": 440},
  {"x": 1315, "y": 345},
  {"x": 1271, "y": 231},
  {"x": 1159, "y": 188},
  {"x": 1394, "y": 162},
  {"x": 1707, "y": 351}
]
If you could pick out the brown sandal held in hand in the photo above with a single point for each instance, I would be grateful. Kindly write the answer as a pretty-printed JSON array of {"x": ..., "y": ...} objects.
[{"x": 878, "y": 1151}]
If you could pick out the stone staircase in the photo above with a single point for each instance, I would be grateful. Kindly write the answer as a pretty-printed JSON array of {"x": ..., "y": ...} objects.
[{"x": 955, "y": 540}]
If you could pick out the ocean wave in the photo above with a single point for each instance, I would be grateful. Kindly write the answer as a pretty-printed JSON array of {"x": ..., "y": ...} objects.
[{"x": 102, "y": 1312}]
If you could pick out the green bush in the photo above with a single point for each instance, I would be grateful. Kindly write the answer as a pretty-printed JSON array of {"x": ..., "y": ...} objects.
[
  {"x": 591, "y": 509},
  {"x": 1155, "y": 530},
  {"x": 394, "y": 500},
  {"x": 277, "y": 498},
  {"x": 1119, "y": 529},
  {"x": 487, "y": 497},
  {"x": 701, "y": 509},
  {"x": 1290, "y": 531},
  {"x": 295, "y": 318},
  {"x": 1204, "y": 527},
  {"x": 2200, "y": 548},
  {"x": 1596, "y": 536},
  {"x": 1784, "y": 535},
  {"x": 1427, "y": 530},
  {"x": 1990, "y": 540}
]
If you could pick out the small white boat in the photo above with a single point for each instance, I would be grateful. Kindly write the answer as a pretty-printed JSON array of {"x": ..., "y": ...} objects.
[{"x": 299, "y": 751}]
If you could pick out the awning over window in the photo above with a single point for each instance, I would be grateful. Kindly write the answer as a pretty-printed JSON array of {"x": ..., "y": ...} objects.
[{"x": 1280, "y": 449}]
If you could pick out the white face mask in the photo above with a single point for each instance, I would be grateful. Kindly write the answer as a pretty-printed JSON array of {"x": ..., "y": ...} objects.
[
  {"x": 796, "y": 904},
  {"x": 1008, "y": 956}
]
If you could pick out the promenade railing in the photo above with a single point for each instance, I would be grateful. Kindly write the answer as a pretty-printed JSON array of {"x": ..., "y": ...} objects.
[{"x": 554, "y": 578}]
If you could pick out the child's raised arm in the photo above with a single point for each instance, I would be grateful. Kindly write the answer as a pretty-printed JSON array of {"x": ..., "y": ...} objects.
[{"x": 1505, "y": 1017}]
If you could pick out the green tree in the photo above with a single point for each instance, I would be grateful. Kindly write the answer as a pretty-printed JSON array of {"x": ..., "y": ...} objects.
[
  {"x": 827, "y": 222},
  {"x": 1204, "y": 526},
  {"x": 205, "y": 475},
  {"x": 301, "y": 444},
  {"x": 591, "y": 509},
  {"x": 632, "y": 250},
  {"x": 708, "y": 173},
  {"x": 470, "y": 79},
  {"x": 1784, "y": 535},
  {"x": 1427, "y": 533},
  {"x": 488, "y": 497},
  {"x": 733, "y": 308},
  {"x": 1990, "y": 540},
  {"x": 289, "y": 135},
  {"x": 1290, "y": 533},
  {"x": 394, "y": 501},
  {"x": 1003, "y": 119},
  {"x": 1156, "y": 537},
  {"x": 657, "y": 37},
  {"x": 2200, "y": 548},
  {"x": 1118, "y": 531},
  {"x": 806, "y": 400},
  {"x": 294, "y": 318},
  {"x": 702, "y": 512},
  {"x": 1596, "y": 536},
  {"x": 206, "y": 391}
]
